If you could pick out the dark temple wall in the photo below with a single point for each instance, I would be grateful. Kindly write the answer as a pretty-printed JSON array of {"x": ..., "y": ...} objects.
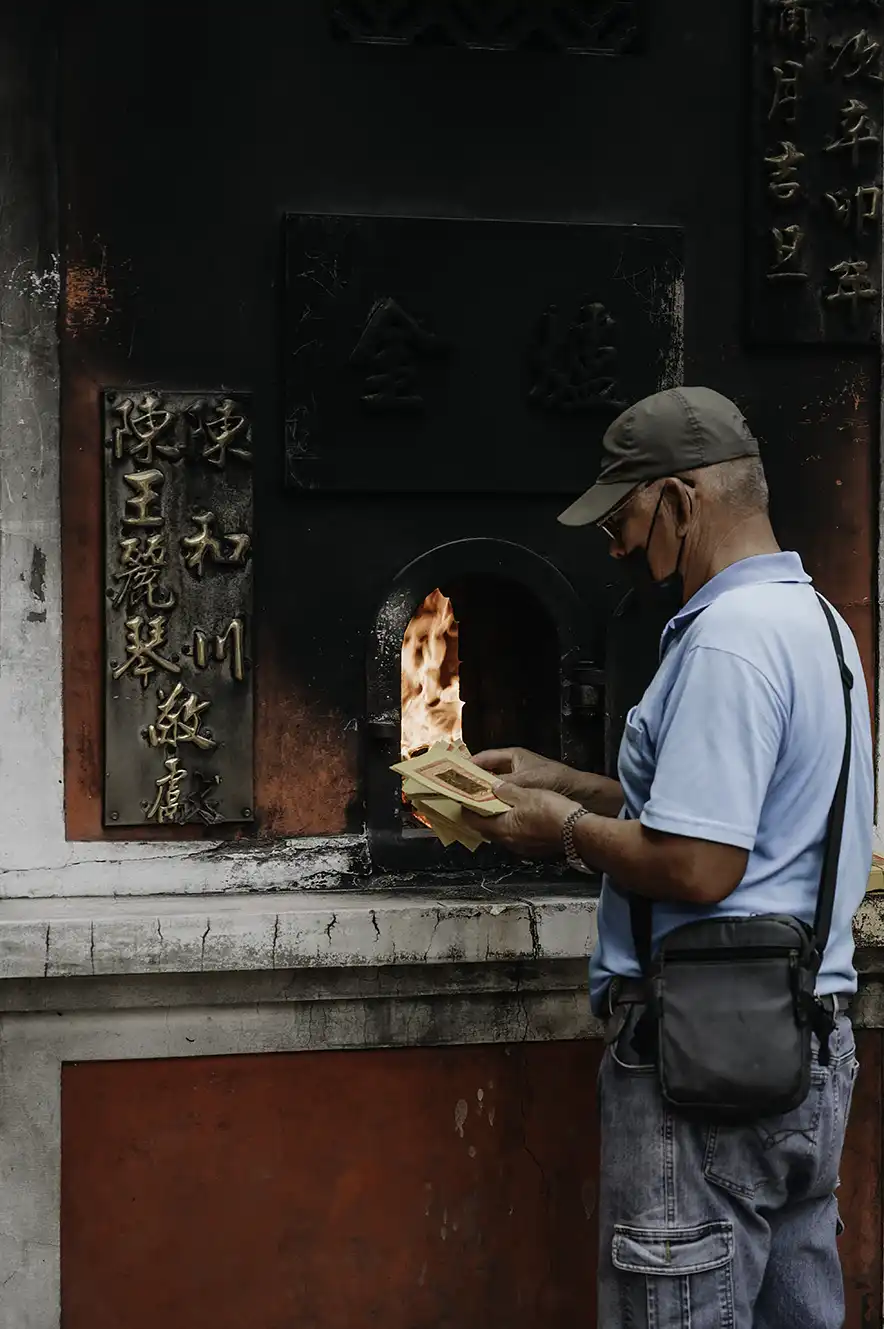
[{"x": 188, "y": 132}]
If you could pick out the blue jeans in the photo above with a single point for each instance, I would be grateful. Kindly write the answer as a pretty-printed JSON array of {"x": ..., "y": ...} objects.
[{"x": 705, "y": 1227}]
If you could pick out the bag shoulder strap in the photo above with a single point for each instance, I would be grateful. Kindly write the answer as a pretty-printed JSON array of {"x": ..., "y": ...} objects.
[
  {"x": 641, "y": 910},
  {"x": 825, "y": 904}
]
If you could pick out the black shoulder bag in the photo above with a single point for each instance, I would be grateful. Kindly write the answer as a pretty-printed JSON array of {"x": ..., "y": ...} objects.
[{"x": 731, "y": 1000}]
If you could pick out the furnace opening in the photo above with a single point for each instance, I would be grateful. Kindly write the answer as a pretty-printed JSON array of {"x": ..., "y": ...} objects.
[{"x": 480, "y": 663}]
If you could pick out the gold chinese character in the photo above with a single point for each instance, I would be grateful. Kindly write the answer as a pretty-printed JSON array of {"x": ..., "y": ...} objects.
[
  {"x": 857, "y": 128},
  {"x": 790, "y": 20},
  {"x": 143, "y": 650},
  {"x": 145, "y": 429},
  {"x": 231, "y": 642},
  {"x": 229, "y": 431},
  {"x": 227, "y": 550},
  {"x": 785, "y": 97},
  {"x": 854, "y": 284},
  {"x": 139, "y": 508},
  {"x": 868, "y": 205},
  {"x": 142, "y": 560},
  {"x": 199, "y": 802},
  {"x": 864, "y": 205},
  {"x": 784, "y": 184},
  {"x": 788, "y": 242},
  {"x": 166, "y": 805},
  {"x": 856, "y": 56},
  {"x": 179, "y": 717}
]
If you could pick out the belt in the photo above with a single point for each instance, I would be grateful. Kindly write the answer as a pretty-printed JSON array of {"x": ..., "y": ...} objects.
[{"x": 634, "y": 992}]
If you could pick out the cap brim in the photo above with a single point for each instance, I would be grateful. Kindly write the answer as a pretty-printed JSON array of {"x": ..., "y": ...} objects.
[{"x": 596, "y": 503}]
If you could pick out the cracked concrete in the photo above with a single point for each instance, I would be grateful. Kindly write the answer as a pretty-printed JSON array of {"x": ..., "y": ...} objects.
[{"x": 173, "y": 934}]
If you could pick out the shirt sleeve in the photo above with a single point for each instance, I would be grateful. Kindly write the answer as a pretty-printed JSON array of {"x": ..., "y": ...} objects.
[{"x": 720, "y": 736}]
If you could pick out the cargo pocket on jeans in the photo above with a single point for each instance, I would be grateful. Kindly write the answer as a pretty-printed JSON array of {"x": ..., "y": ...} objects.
[{"x": 681, "y": 1277}]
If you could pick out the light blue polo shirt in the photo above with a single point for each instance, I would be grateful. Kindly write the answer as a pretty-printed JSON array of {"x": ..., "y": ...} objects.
[{"x": 739, "y": 739}]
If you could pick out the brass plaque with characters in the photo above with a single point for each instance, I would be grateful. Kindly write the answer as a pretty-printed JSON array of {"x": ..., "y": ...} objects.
[{"x": 178, "y": 608}]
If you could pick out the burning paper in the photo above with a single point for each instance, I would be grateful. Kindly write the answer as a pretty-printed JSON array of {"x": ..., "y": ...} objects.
[{"x": 441, "y": 783}]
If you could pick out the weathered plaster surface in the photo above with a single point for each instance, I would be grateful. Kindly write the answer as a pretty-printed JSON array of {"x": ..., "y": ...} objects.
[
  {"x": 508, "y": 1003},
  {"x": 174, "y": 935},
  {"x": 48, "y": 939}
]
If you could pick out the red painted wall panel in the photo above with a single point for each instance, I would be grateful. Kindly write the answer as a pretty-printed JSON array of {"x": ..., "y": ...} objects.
[
  {"x": 335, "y": 1190},
  {"x": 418, "y": 1189}
]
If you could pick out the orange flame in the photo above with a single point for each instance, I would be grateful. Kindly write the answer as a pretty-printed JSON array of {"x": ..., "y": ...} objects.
[{"x": 431, "y": 704}]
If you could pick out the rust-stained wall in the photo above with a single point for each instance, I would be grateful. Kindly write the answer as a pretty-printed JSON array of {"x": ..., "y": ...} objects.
[{"x": 422, "y": 1189}]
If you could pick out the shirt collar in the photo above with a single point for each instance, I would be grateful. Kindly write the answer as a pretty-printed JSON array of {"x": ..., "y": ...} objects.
[{"x": 754, "y": 571}]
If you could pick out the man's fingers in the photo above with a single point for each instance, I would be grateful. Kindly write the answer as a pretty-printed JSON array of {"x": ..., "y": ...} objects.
[
  {"x": 510, "y": 793},
  {"x": 497, "y": 760},
  {"x": 533, "y": 777},
  {"x": 484, "y": 825}
]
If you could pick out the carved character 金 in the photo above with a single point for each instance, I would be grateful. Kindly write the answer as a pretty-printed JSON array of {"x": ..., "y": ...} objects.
[
  {"x": 854, "y": 285},
  {"x": 784, "y": 183},
  {"x": 786, "y": 92},
  {"x": 145, "y": 427},
  {"x": 788, "y": 243},
  {"x": 858, "y": 56},
  {"x": 142, "y": 560},
  {"x": 219, "y": 647},
  {"x": 857, "y": 129},
  {"x": 390, "y": 344},
  {"x": 179, "y": 720},
  {"x": 229, "y": 551},
  {"x": 166, "y": 806},
  {"x": 575, "y": 371}
]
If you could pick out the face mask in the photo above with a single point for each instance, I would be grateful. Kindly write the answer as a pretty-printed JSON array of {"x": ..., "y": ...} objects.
[{"x": 662, "y": 596}]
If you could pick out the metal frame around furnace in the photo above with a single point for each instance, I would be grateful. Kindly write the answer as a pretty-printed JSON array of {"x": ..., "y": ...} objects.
[{"x": 393, "y": 845}]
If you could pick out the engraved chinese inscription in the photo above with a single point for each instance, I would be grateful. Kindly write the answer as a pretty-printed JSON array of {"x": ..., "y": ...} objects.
[
  {"x": 815, "y": 171},
  {"x": 178, "y": 538},
  {"x": 787, "y": 243},
  {"x": 575, "y": 369},
  {"x": 388, "y": 352}
]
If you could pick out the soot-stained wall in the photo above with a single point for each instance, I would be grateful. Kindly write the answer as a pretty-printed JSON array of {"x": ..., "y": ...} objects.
[{"x": 186, "y": 138}]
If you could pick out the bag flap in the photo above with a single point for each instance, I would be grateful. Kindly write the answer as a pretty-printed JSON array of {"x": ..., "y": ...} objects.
[
  {"x": 726, "y": 932},
  {"x": 676, "y": 1251}
]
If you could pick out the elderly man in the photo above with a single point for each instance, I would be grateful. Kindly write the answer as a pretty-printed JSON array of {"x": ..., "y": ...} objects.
[{"x": 727, "y": 770}]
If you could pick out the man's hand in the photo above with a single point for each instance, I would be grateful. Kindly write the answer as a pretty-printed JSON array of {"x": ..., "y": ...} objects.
[
  {"x": 534, "y": 827},
  {"x": 529, "y": 770},
  {"x": 651, "y": 863}
]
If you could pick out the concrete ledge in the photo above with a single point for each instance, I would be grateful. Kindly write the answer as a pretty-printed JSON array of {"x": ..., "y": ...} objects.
[
  {"x": 328, "y": 930},
  {"x": 212, "y": 934}
]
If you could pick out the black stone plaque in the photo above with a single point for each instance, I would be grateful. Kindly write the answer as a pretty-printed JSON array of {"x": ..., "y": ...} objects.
[
  {"x": 470, "y": 356},
  {"x": 609, "y": 27},
  {"x": 815, "y": 181},
  {"x": 178, "y": 572}
]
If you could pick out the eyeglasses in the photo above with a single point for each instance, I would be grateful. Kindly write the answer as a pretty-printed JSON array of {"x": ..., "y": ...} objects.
[{"x": 613, "y": 522}]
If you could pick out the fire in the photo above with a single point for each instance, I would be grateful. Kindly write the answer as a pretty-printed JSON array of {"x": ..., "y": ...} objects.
[{"x": 431, "y": 704}]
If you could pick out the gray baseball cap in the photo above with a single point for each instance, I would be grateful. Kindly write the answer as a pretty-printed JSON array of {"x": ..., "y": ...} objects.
[{"x": 681, "y": 429}]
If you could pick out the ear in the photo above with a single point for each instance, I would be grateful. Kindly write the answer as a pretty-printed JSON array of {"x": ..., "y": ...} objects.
[{"x": 680, "y": 502}]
